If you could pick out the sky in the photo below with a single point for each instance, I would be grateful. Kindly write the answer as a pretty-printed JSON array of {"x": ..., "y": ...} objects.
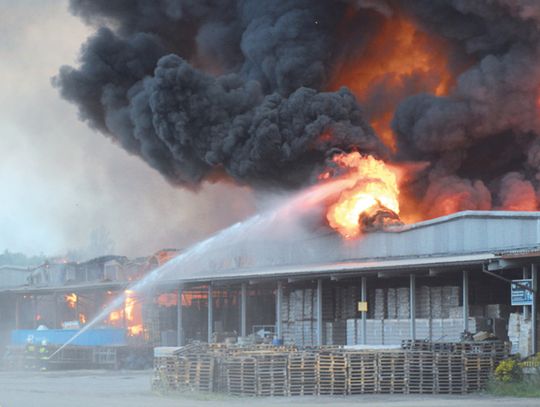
[{"x": 59, "y": 180}]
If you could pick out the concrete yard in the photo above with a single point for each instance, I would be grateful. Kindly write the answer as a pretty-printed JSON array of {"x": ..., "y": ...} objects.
[{"x": 132, "y": 389}]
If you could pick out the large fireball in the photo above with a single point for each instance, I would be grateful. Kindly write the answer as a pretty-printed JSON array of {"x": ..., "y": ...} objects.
[{"x": 373, "y": 186}]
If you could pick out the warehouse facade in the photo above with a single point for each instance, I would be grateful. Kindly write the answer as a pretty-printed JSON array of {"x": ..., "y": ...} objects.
[{"x": 430, "y": 280}]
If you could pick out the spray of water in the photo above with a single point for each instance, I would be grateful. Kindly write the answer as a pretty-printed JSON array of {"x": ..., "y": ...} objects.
[{"x": 288, "y": 209}]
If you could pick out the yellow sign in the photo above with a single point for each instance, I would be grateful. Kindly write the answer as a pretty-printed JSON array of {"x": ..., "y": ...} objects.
[{"x": 362, "y": 306}]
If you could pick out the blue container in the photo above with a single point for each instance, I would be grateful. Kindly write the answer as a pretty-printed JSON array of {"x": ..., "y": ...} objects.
[
  {"x": 277, "y": 342},
  {"x": 92, "y": 337}
]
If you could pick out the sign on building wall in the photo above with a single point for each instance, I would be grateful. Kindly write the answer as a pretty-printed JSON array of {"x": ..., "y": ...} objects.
[{"x": 520, "y": 295}]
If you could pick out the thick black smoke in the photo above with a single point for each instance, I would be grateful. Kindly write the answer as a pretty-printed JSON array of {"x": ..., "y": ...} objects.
[
  {"x": 248, "y": 101},
  {"x": 198, "y": 87},
  {"x": 485, "y": 132}
]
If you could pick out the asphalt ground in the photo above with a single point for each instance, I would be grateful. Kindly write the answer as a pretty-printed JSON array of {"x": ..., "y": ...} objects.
[{"x": 132, "y": 389}]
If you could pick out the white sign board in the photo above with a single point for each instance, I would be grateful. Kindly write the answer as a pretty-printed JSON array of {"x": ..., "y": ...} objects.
[{"x": 520, "y": 295}]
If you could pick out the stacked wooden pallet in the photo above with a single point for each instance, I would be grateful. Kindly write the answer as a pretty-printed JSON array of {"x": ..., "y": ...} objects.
[
  {"x": 419, "y": 368},
  {"x": 241, "y": 374},
  {"x": 332, "y": 373},
  {"x": 449, "y": 373},
  {"x": 421, "y": 372},
  {"x": 199, "y": 372},
  {"x": 167, "y": 373},
  {"x": 477, "y": 370},
  {"x": 392, "y": 372},
  {"x": 362, "y": 372},
  {"x": 416, "y": 345},
  {"x": 271, "y": 371},
  {"x": 302, "y": 371}
]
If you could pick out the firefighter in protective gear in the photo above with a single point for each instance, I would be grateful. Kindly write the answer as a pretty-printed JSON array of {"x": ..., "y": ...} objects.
[
  {"x": 43, "y": 354},
  {"x": 30, "y": 354}
]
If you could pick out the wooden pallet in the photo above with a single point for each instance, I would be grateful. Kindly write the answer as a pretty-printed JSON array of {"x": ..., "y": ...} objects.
[
  {"x": 302, "y": 373},
  {"x": 362, "y": 372},
  {"x": 449, "y": 373},
  {"x": 392, "y": 372},
  {"x": 272, "y": 374},
  {"x": 332, "y": 373},
  {"x": 241, "y": 376},
  {"x": 421, "y": 372}
]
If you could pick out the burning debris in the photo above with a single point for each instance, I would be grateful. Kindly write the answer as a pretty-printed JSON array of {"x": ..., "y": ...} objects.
[{"x": 268, "y": 93}]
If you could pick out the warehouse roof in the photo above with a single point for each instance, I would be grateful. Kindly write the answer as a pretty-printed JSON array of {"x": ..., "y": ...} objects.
[{"x": 463, "y": 238}]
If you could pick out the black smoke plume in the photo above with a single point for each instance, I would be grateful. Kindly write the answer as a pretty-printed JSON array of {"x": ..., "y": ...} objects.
[{"x": 204, "y": 87}]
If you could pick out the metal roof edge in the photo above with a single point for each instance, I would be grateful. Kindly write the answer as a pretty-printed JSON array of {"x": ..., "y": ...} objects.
[
  {"x": 466, "y": 214},
  {"x": 337, "y": 267}
]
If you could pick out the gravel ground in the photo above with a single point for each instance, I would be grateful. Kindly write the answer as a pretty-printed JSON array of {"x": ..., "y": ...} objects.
[{"x": 132, "y": 389}]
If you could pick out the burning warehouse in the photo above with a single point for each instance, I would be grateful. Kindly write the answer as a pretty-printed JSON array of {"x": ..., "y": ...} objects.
[
  {"x": 392, "y": 148},
  {"x": 431, "y": 280}
]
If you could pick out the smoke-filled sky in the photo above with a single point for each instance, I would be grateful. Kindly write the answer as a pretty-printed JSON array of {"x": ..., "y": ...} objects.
[
  {"x": 264, "y": 93},
  {"x": 60, "y": 180}
]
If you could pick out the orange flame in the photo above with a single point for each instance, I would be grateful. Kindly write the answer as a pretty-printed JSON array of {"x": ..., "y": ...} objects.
[
  {"x": 372, "y": 184},
  {"x": 132, "y": 313},
  {"x": 114, "y": 316},
  {"x": 400, "y": 60},
  {"x": 71, "y": 300}
]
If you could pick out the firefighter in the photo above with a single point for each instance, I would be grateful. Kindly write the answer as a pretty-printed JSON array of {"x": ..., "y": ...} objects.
[
  {"x": 30, "y": 354},
  {"x": 43, "y": 354}
]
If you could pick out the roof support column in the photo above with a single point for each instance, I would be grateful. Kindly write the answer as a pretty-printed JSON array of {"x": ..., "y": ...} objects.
[
  {"x": 534, "y": 308},
  {"x": 279, "y": 300},
  {"x": 243, "y": 310},
  {"x": 35, "y": 322},
  {"x": 319, "y": 313},
  {"x": 210, "y": 312},
  {"x": 412, "y": 305},
  {"x": 526, "y": 307},
  {"x": 17, "y": 312},
  {"x": 363, "y": 298},
  {"x": 179, "y": 318},
  {"x": 55, "y": 311},
  {"x": 465, "y": 297}
]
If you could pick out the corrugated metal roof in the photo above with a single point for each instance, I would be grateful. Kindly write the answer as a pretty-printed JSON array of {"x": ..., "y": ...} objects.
[{"x": 461, "y": 238}]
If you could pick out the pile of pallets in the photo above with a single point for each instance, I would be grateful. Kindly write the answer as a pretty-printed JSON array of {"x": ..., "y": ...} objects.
[
  {"x": 449, "y": 373},
  {"x": 421, "y": 372},
  {"x": 362, "y": 372},
  {"x": 167, "y": 373},
  {"x": 271, "y": 371},
  {"x": 332, "y": 373},
  {"x": 392, "y": 372},
  {"x": 241, "y": 375},
  {"x": 418, "y": 368},
  {"x": 302, "y": 373},
  {"x": 477, "y": 370},
  {"x": 198, "y": 372}
]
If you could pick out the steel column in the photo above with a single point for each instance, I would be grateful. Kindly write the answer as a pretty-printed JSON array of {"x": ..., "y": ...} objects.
[
  {"x": 17, "y": 312},
  {"x": 210, "y": 313},
  {"x": 243, "y": 310},
  {"x": 319, "y": 313},
  {"x": 179, "y": 318},
  {"x": 34, "y": 312},
  {"x": 465, "y": 296},
  {"x": 526, "y": 307},
  {"x": 363, "y": 298},
  {"x": 55, "y": 304},
  {"x": 279, "y": 300},
  {"x": 534, "y": 308},
  {"x": 412, "y": 301}
]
